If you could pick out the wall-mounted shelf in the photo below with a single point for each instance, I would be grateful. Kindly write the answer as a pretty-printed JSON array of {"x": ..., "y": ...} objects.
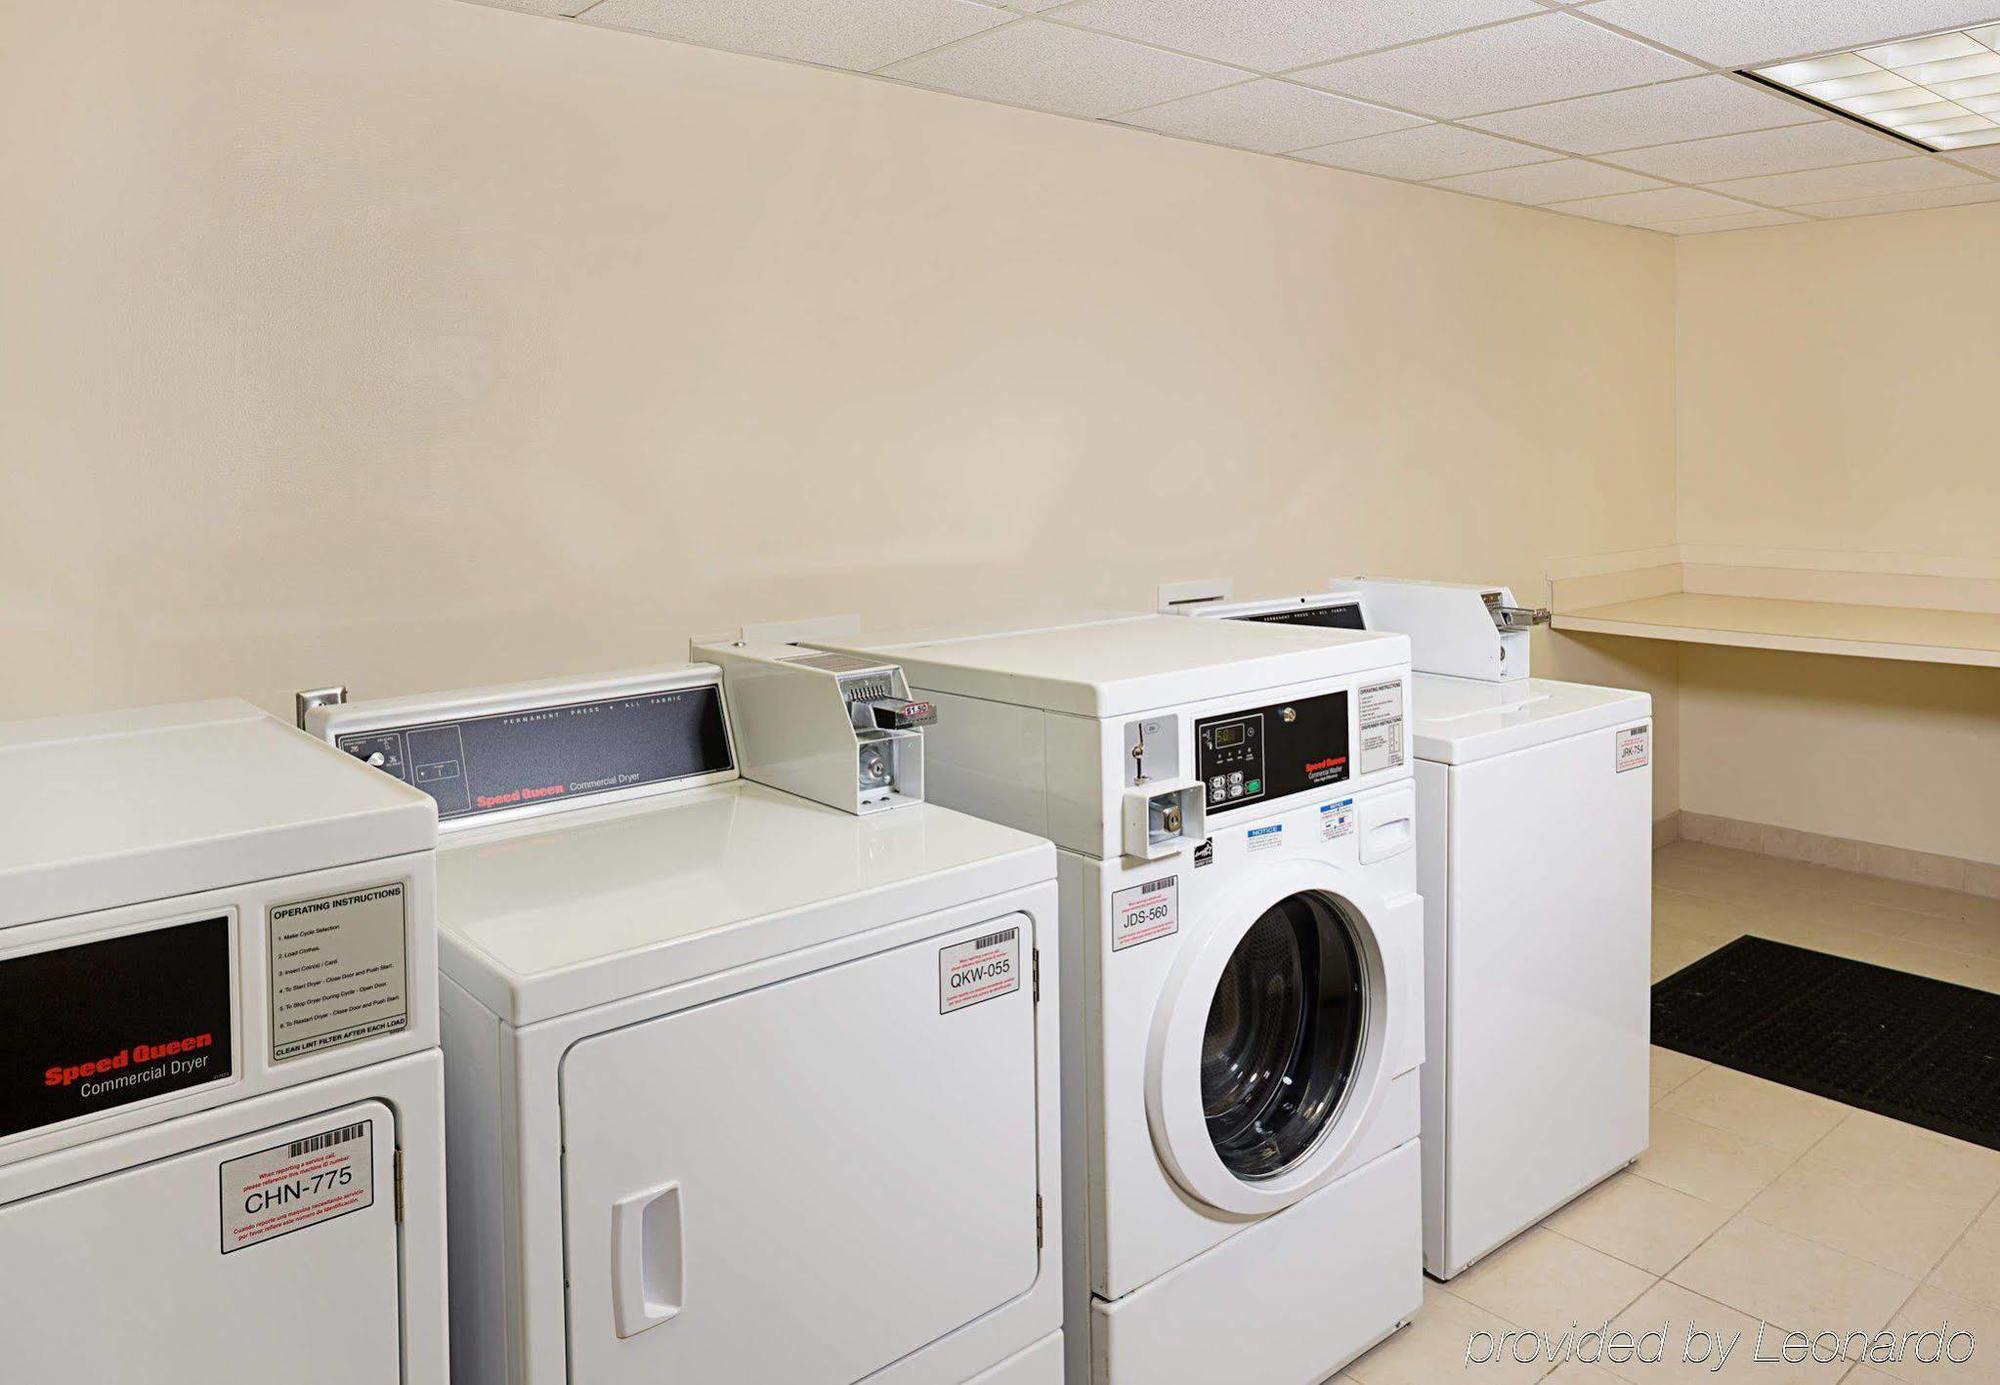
[
  {"x": 1919, "y": 617},
  {"x": 1807, "y": 627}
]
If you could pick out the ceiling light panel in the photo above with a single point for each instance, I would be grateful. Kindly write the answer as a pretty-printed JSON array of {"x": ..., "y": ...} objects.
[{"x": 1936, "y": 92}]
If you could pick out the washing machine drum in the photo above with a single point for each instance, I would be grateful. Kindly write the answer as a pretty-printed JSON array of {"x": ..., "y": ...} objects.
[
  {"x": 1267, "y": 1052},
  {"x": 1283, "y": 1035}
]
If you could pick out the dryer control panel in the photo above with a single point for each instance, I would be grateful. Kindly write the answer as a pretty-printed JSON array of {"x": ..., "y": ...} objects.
[
  {"x": 492, "y": 753},
  {"x": 1265, "y": 753},
  {"x": 1343, "y": 614}
]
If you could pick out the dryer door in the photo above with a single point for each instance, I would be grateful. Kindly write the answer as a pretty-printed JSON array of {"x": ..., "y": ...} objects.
[
  {"x": 808, "y": 1180},
  {"x": 1267, "y": 1053},
  {"x": 271, "y": 1255}
]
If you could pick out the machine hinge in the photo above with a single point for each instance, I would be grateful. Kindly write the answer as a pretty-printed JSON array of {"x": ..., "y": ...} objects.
[
  {"x": 309, "y": 699},
  {"x": 399, "y": 1187},
  {"x": 1035, "y": 961},
  {"x": 1038, "y": 1221}
]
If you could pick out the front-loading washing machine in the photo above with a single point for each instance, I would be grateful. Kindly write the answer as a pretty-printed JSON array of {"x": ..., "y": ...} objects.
[
  {"x": 221, "y": 1099},
  {"x": 1241, "y": 967},
  {"x": 1534, "y": 811},
  {"x": 745, "y": 1086}
]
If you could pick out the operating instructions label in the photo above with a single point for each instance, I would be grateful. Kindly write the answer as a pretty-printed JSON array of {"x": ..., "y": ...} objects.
[
  {"x": 298, "y": 1184},
  {"x": 339, "y": 970},
  {"x": 1381, "y": 726}
]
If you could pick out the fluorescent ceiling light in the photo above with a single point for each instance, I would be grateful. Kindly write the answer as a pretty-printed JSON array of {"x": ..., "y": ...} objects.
[{"x": 1936, "y": 92}]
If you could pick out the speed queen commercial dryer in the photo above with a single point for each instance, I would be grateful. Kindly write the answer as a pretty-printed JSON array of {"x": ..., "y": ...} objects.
[
  {"x": 1242, "y": 974},
  {"x": 221, "y": 1101},
  {"x": 744, "y": 1088}
]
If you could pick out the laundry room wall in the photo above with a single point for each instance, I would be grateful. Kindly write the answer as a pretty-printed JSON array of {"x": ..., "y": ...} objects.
[
  {"x": 414, "y": 344},
  {"x": 1836, "y": 386}
]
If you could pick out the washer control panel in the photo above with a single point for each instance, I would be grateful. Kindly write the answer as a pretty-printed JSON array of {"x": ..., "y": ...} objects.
[
  {"x": 1231, "y": 754},
  {"x": 1264, "y": 753}
]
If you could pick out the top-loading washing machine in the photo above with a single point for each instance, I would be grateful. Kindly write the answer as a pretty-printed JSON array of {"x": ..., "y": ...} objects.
[
  {"x": 745, "y": 1086},
  {"x": 1241, "y": 969},
  {"x": 1534, "y": 810},
  {"x": 221, "y": 1100}
]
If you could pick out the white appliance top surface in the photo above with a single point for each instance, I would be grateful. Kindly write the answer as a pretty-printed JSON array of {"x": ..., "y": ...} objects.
[
  {"x": 1457, "y": 720},
  {"x": 553, "y": 914},
  {"x": 1129, "y": 664},
  {"x": 121, "y": 808}
]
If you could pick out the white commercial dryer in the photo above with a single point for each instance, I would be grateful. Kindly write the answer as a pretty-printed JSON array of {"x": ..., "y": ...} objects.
[
  {"x": 1241, "y": 971},
  {"x": 743, "y": 1089},
  {"x": 221, "y": 1100},
  {"x": 1535, "y": 861}
]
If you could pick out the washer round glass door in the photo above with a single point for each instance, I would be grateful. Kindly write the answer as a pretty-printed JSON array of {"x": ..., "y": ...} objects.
[
  {"x": 1283, "y": 1036},
  {"x": 1268, "y": 1047}
]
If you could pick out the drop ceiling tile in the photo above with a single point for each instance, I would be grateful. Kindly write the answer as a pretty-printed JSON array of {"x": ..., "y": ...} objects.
[
  {"x": 1549, "y": 182},
  {"x": 1034, "y": 63},
  {"x": 1784, "y": 150},
  {"x": 1545, "y": 57},
  {"x": 860, "y": 37},
  {"x": 1915, "y": 173},
  {"x": 1271, "y": 116},
  {"x": 1429, "y": 151},
  {"x": 1273, "y": 35},
  {"x": 1690, "y": 109},
  {"x": 1987, "y": 159},
  {"x": 1031, "y": 6},
  {"x": 1741, "y": 221},
  {"x": 1659, "y": 205},
  {"x": 1738, "y": 33},
  {"x": 1907, "y": 201}
]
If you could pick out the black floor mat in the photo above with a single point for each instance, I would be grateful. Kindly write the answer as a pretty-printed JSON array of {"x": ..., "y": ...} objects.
[{"x": 1919, "y": 1050}]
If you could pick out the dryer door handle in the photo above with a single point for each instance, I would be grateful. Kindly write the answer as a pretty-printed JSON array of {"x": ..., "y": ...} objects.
[{"x": 648, "y": 1268}]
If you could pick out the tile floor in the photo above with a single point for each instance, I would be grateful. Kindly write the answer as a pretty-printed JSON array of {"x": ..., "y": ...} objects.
[{"x": 1756, "y": 1202}]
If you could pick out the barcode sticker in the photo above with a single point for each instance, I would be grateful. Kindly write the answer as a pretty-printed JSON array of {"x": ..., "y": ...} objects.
[
  {"x": 978, "y": 969},
  {"x": 1142, "y": 913},
  {"x": 332, "y": 1137},
  {"x": 290, "y": 1187}
]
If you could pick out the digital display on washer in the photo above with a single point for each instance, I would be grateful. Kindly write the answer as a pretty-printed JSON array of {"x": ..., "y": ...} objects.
[
  {"x": 489, "y": 764},
  {"x": 1344, "y": 616},
  {"x": 1264, "y": 753}
]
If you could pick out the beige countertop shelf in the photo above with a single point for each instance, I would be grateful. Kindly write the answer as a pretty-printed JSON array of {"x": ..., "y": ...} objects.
[{"x": 1811, "y": 627}]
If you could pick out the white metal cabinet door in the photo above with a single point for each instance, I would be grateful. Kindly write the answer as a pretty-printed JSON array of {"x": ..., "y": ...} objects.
[
  {"x": 1549, "y": 918},
  {"x": 807, "y": 1181},
  {"x": 125, "y": 1277}
]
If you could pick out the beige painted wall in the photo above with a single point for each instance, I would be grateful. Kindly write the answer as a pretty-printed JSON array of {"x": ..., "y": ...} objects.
[
  {"x": 1837, "y": 385},
  {"x": 414, "y": 344},
  {"x": 1836, "y": 388}
]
